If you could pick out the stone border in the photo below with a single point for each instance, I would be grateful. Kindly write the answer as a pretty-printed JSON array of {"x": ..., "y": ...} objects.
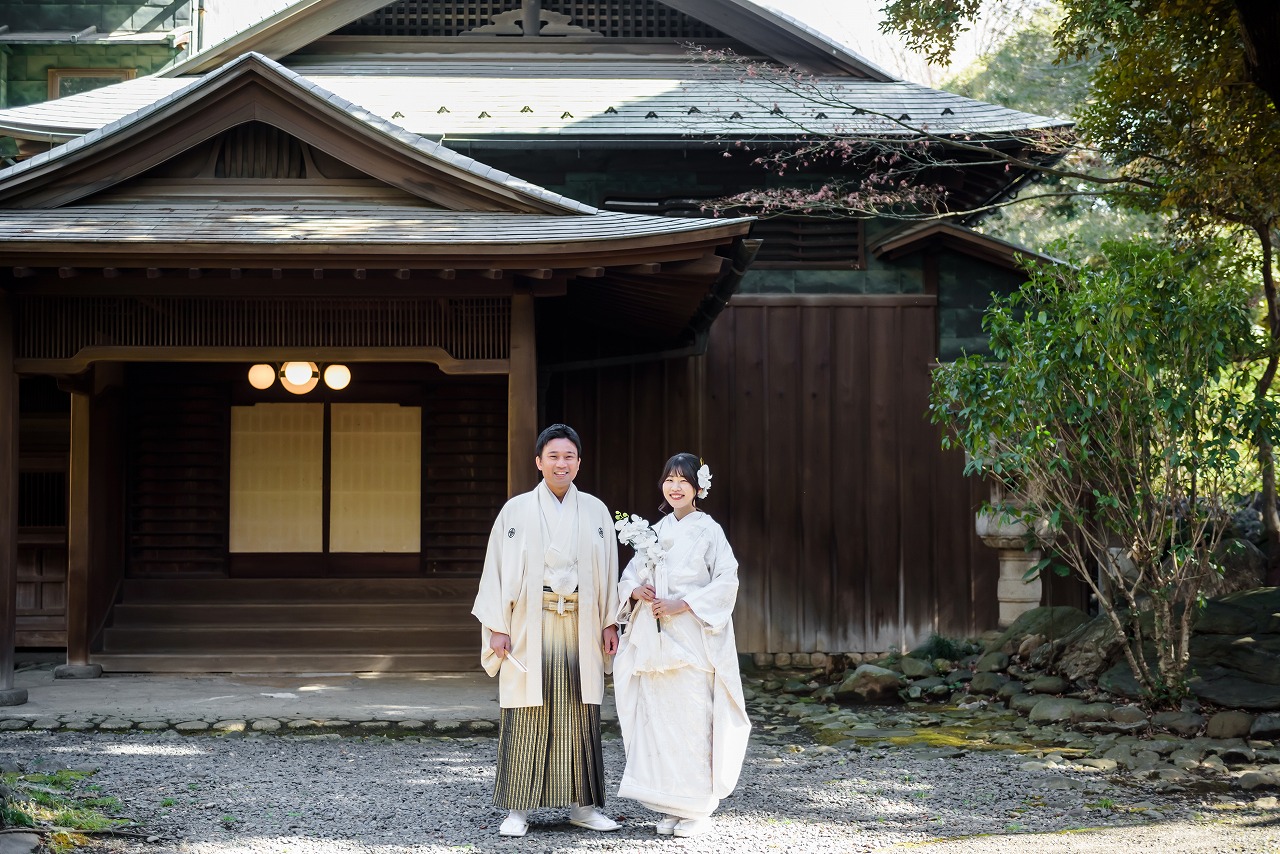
[{"x": 220, "y": 726}]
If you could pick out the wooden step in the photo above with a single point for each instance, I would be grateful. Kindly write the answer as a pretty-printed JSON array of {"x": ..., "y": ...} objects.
[
  {"x": 290, "y": 590},
  {"x": 293, "y": 663},
  {"x": 363, "y": 639},
  {"x": 317, "y": 614}
]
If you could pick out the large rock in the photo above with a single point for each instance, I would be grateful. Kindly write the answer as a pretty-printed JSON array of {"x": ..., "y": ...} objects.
[
  {"x": 1255, "y": 657},
  {"x": 871, "y": 684},
  {"x": 1048, "y": 685},
  {"x": 992, "y": 662},
  {"x": 1089, "y": 650},
  {"x": 1051, "y": 622},
  {"x": 1243, "y": 565},
  {"x": 1222, "y": 688},
  {"x": 1262, "y": 604},
  {"x": 1054, "y": 710},
  {"x": 1229, "y": 724},
  {"x": 1266, "y": 726},
  {"x": 987, "y": 683},
  {"x": 914, "y": 668},
  {"x": 1185, "y": 724},
  {"x": 1119, "y": 680}
]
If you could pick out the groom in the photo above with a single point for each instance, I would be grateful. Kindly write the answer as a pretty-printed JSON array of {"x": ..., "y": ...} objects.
[{"x": 545, "y": 609}]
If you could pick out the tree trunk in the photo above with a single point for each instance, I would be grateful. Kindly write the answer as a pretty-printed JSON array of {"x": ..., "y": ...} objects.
[
  {"x": 1266, "y": 453},
  {"x": 1260, "y": 27}
]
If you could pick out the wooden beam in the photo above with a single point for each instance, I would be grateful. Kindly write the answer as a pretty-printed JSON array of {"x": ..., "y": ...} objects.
[
  {"x": 402, "y": 274},
  {"x": 589, "y": 272},
  {"x": 522, "y": 396},
  {"x": 153, "y": 273},
  {"x": 708, "y": 265},
  {"x": 446, "y": 274},
  {"x": 67, "y": 272},
  {"x": 236, "y": 272},
  {"x": 643, "y": 269},
  {"x": 317, "y": 273},
  {"x": 276, "y": 273},
  {"x": 492, "y": 274},
  {"x": 9, "y": 695},
  {"x": 194, "y": 272},
  {"x": 539, "y": 273},
  {"x": 360, "y": 273},
  {"x": 78, "y": 527},
  {"x": 110, "y": 273},
  {"x": 23, "y": 272}
]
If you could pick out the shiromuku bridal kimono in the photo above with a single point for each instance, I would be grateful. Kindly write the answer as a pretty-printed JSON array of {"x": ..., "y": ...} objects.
[
  {"x": 678, "y": 690},
  {"x": 548, "y": 582}
]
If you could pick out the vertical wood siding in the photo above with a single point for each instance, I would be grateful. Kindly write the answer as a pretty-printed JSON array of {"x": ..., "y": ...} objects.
[{"x": 853, "y": 528}]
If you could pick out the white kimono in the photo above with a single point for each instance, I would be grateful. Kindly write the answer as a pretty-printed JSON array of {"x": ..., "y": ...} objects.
[
  {"x": 510, "y": 596},
  {"x": 678, "y": 690}
]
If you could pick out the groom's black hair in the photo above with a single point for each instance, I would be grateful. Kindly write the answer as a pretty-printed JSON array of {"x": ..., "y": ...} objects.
[{"x": 557, "y": 431}]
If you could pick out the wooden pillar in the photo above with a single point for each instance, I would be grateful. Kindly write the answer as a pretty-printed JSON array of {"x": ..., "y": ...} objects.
[
  {"x": 522, "y": 396},
  {"x": 9, "y": 695},
  {"x": 79, "y": 533}
]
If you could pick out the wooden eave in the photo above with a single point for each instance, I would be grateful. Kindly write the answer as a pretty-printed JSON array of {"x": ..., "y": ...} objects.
[
  {"x": 920, "y": 237},
  {"x": 279, "y": 35},
  {"x": 777, "y": 36}
]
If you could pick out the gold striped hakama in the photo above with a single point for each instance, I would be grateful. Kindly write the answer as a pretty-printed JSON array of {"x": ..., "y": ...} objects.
[{"x": 549, "y": 755}]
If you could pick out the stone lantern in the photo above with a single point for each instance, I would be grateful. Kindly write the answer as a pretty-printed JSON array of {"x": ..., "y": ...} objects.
[{"x": 1000, "y": 527}]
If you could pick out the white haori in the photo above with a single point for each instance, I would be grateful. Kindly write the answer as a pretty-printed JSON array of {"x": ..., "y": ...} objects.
[
  {"x": 509, "y": 598},
  {"x": 679, "y": 692}
]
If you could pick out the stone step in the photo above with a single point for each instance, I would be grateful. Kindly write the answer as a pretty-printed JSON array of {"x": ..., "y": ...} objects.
[
  {"x": 291, "y": 639},
  {"x": 296, "y": 662}
]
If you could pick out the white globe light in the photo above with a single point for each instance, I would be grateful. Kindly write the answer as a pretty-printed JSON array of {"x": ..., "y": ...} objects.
[
  {"x": 337, "y": 377},
  {"x": 299, "y": 373},
  {"x": 262, "y": 376}
]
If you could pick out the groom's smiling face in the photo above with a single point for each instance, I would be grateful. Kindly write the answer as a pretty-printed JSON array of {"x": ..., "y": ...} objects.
[{"x": 559, "y": 463}]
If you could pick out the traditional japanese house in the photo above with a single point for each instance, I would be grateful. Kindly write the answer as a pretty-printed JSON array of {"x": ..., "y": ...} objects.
[{"x": 507, "y": 230}]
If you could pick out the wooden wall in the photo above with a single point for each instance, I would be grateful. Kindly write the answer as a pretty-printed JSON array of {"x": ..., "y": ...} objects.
[{"x": 853, "y": 529}]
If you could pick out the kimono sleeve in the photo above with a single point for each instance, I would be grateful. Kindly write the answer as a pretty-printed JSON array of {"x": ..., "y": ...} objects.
[
  {"x": 500, "y": 585},
  {"x": 629, "y": 581},
  {"x": 713, "y": 603}
]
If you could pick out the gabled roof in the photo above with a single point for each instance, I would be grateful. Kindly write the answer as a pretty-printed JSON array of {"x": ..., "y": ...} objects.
[
  {"x": 775, "y": 35},
  {"x": 605, "y": 99},
  {"x": 256, "y": 88},
  {"x": 920, "y": 236},
  {"x": 186, "y": 194}
]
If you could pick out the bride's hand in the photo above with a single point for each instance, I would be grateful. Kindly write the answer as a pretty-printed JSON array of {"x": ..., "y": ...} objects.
[
  {"x": 669, "y": 607},
  {"x": 645, "y": 592}
]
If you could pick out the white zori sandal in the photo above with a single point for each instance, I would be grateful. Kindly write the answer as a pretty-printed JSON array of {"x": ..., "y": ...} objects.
[
  {"x": 592, "y": 819},
  {"x": 515, "y": 824}
]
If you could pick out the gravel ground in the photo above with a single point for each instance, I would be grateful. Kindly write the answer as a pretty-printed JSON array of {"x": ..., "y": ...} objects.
[{"x": 268, "y": 794}]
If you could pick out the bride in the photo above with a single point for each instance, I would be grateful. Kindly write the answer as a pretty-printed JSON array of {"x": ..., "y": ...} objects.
[{"x": 676, "y": 681}]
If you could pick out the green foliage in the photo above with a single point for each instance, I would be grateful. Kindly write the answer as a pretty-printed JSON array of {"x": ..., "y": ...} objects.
[
  {"x": 1116, "y": 403},
  {"x": 53, "y": 804},
  {"x": 951, "y": 649}
]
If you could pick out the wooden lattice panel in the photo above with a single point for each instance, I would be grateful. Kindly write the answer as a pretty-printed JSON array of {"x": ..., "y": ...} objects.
[
  {"x": 59, "y": 327},
  {"x": 620, "y": 19}
]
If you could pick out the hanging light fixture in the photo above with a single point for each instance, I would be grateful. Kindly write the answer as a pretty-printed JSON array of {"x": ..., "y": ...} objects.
[
  {"x": 262, "y": 377},
  {"x": 337, "y": 377},
  {"x": 299, "y": 377}
]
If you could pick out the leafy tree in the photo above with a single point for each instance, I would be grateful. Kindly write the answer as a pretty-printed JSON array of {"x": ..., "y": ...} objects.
[
  {"x": 1025, "y": 73},
  {"x": 1174, "y": 124},
  {"x": 1114, "y": 397}
]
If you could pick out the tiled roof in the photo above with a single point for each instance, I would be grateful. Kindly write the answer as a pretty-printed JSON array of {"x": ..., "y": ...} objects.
[
  {"x": 418, "y": 144},
  {"x": 299, "y": 225},
  {"x": 451, "y": 98}
]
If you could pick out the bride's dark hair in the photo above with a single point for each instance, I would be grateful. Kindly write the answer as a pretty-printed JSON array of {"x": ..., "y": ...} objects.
[{"x": 685, "y": 465}]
